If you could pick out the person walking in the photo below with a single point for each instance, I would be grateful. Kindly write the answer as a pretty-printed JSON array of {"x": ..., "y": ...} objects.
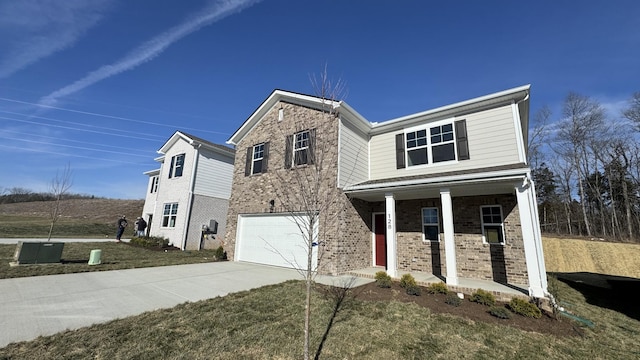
[
  {"x": 122, "y": 223},
  {"x": 140, "y": 226}
]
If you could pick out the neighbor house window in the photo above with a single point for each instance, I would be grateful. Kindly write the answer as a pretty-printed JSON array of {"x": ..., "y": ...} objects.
[
  {"x": 430, "y": 227},
  {"x": 492, "y": 227},
  {"x": 169, "y": 215},
  {"x": 441, "y": 142},
  {"x": 299, "y": 148},
  {"x": 177, "y": 165},
  {"x": 154, "y": 184}
]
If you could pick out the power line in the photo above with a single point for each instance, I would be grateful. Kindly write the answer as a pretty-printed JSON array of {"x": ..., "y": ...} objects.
[
  {"x": 74, "y": 147},
  {"x": 72, "y": 155}
]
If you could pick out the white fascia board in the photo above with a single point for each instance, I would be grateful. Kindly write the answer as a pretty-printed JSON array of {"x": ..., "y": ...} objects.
[
  {"x": 457, "y": 179},
  {"x": 276, "y": 96},
  {"x": 159, "y": 158},
  {"x": 354, "y": 117},
  {"x": 152, "y": 172},
  {"x": 508, "y": 95}
]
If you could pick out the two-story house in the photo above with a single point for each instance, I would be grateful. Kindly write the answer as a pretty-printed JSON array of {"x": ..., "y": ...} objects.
[
  {"x": 188, "y": 196},
  {"x": 445, "y": 192}
]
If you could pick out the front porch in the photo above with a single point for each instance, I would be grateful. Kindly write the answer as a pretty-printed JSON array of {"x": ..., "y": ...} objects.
[{"x": 466, "y": 286}]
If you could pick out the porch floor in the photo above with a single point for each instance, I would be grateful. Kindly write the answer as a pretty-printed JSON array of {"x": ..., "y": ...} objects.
[{"x": 465, "y": 285}]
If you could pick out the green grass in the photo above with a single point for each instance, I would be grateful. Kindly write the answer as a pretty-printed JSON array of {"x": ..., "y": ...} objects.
[
  {"x": 115, "y": 256},
  {"x": 267, "y": 323},
  {"x": 24, "y": 226}
]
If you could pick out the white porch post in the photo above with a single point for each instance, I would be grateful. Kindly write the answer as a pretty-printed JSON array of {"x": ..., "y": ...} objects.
[
  {"x": 532, "y": 239},
  {"x": 449, "y": 241},
  {"x": 390, "y": 219}
]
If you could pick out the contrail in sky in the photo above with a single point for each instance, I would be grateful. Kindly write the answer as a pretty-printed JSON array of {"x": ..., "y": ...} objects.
[{"x": 150, "y": 49}]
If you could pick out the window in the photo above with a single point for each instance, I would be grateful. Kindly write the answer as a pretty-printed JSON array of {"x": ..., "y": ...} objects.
[
  {"x": 169, "y": 215},
  {"x": 430, "y": 227},
  {"x": 492, "y": 227},
  {"x": 299, "y": 148},
  {"x": 257, "y": 156},
  {"x": 154, "y": 185},
  {"x": 446, "y": 141},
  {"x": 177, "y": 165}
]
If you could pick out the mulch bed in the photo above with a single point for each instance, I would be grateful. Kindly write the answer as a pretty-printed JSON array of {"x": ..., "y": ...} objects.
[{"x": 548, "y": 324}]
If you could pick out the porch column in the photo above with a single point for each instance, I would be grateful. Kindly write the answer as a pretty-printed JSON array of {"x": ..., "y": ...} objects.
[
  {"x": 390, "y": 219},
  {"x": 529, "y": 222},
  {"x": 449, "y": 241}
]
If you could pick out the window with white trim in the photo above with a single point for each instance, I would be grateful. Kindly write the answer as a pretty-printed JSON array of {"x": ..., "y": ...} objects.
[
  {"x": 439, "y": 142},
  {"x": 442, "y": 143},
  {"x": 154, "y": 184},
  {"x": 257, "y": 159},
  {"x": 430, "y": 224},
  {"x": 177, "y": 165},
  {"x": 301, "y": 148},
  {"x": 492, "y": 225},
  {"x": 169, "y": 215}
]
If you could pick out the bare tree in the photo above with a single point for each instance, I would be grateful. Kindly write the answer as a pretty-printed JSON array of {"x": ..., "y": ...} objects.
[
  {"x": 59, "y": 187},
  {"x": 633, "y": 111},
  {"x": 538, "y": 137}
]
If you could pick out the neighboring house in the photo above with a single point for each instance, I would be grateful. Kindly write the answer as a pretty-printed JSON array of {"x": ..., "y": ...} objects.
[
  {"x": 190, "y": 192},
  {"x": 445, "y": 192}
]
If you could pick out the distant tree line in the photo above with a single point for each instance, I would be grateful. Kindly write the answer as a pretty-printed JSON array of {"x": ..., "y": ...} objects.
[
  {"x": 18, "y": 195},
  {"x": 586, "y": 166}
]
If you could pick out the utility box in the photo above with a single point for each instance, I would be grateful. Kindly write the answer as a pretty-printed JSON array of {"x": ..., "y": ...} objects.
[
  {"x": 94, "y": 257},
  {"x": 38, "y": 252}
]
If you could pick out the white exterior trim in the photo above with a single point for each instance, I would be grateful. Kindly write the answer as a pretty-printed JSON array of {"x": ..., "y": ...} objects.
[
  {"x": 517, "y": 124},
  {"x": 390, "y": 218},
  {"x": 449, "y": 238},
  {"x": 532, "y": 241}
]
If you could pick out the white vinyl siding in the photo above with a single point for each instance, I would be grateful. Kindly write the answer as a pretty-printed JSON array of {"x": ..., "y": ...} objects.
[
  {"x": 354, "y": 157},
  {"x": 492, "y": 142},
  {"x": 214, "y": 175}
]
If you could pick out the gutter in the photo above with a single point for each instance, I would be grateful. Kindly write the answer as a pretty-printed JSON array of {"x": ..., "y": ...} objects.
[{"x": 187, "y": 219}]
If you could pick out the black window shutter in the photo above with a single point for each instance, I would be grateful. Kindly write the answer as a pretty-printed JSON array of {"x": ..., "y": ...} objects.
[
  {"x": 171, "y": 167},
  {"x": 400, "y": 151},
  {"x": 247, "y": 165},
  {"x": 287, "y": 151},
  {"x": 265, "y": 159},
  {"x": 312, "y": 144},
  {"x": 461, "y": 140}
]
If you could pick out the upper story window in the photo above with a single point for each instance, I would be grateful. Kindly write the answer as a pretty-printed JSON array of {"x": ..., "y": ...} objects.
[
  {"x": 177, "y": 165},
  {"x": 169, "y": 215},
  {"x": 257, "y": 156},
  {"x": 492, "y": 225},
  {"x": 430, "y": 224},
  {"x": 154, "y": 184},
  {"x": 446, "y": 141},
  {"x": 299, "y": 148}
]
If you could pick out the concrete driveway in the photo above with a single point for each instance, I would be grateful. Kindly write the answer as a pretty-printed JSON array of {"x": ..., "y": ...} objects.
[{"x": 45, "y": 305}]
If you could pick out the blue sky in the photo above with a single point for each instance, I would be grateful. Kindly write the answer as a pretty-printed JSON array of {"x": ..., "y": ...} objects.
[{"x": 102, "y": 84}]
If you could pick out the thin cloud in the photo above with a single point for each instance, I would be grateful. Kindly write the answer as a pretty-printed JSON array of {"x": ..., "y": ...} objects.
[
  {"x": 150, "y": 49},
  {"x": 31, "y": 30}
]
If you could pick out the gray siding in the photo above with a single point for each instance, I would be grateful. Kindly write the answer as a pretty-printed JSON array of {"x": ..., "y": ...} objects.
[
  {"x": 204, "y": 209},
  {"x": 214, "y": 175},
  {"x": 492, "y": 142},
  {"x": 354, "y": 157}
]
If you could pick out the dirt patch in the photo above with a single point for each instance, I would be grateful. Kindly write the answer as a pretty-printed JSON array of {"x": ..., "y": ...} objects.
[{"x": 548, "y": 324}]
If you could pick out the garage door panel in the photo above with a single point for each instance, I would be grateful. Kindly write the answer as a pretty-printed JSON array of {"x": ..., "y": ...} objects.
[{"x": 272, "y": 240}]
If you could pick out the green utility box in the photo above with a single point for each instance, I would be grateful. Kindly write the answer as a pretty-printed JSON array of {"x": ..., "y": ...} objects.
[{"x": 38, "y": 252}]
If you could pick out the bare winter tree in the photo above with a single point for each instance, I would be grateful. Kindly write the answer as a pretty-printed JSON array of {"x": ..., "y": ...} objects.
[
  {"x": 633, "y": 111},
  {"x": 306, "y": 186},
  {"x": 59, "y": 187},
  {"x": 538, "y": 137}
]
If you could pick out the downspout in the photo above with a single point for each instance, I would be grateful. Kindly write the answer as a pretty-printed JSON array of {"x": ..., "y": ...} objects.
[{"x": 187, "y": 222}]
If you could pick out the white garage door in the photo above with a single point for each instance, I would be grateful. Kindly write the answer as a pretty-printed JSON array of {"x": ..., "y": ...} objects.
[{"x": 273, "y": 240}]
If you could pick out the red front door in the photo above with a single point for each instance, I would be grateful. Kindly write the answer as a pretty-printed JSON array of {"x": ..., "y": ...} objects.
[{"x": 380, "y": 231}]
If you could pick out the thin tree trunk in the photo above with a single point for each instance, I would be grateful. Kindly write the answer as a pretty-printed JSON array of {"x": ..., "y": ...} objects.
[{"x": 583, "y": 205}]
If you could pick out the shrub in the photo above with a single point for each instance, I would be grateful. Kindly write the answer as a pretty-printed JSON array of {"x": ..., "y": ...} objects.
[
  {"x": 453, "y": 299},
  {"x": 483, "y": 297},
  {"x": 524, "y": 308},
  {"x": 383, "y": 279},
  {"x": 500, "y": 312},
  {"x": 407, "y": 280},
  {"x": 413, "y": 289},
  {"x": 438, "y": 288},
  {"x": 150, "y": 241},
  {"x": 220, "y": 254}
]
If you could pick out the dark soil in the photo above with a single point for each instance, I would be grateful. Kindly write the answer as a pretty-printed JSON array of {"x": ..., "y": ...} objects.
[{"x": 548, "y": 324}]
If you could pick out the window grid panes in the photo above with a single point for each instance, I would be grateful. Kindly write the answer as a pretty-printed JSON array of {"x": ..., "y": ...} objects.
[
  {"x": 300, "y": 148},
  {"x": 258, "y": 157},
  {"x": 169, "y": 215},
  {"x": 492, "y": 226},
  {"x": 430, "y": 227},
  {"x": 436, "y": 147}
]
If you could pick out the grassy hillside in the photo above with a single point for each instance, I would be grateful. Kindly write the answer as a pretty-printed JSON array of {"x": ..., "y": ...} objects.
[
  {"x": 92, "y": 218},
  {"x": 571, "y": 255}
]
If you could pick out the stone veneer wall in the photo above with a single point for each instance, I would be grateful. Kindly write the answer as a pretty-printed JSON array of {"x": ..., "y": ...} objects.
[
  {"x": 501, "y": 263},
  {"x": 345, "y": 237}
]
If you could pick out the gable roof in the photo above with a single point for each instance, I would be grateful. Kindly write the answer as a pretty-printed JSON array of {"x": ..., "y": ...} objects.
[
  {"x": 194, "y": 140},
  {"x": 310, "y": 101}
]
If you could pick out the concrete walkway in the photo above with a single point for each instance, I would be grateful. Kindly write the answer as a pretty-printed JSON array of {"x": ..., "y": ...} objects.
[{"x": 45, "y": 305}]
